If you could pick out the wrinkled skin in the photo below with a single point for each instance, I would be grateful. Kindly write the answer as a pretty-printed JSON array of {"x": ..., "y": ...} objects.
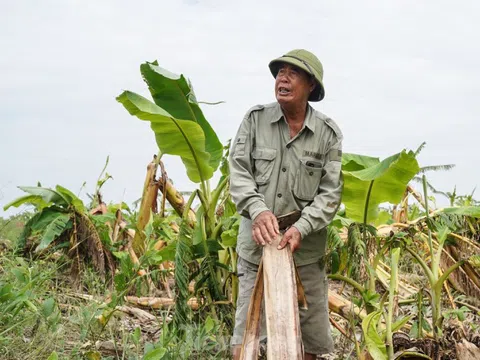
[
  {"x": 293, "y": 237},
  {"x": 298, "y": 84},
  {"x": 265, "y": 228}
]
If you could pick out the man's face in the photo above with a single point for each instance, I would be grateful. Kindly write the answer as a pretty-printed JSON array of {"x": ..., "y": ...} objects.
[{"x": 292, "y": 85}]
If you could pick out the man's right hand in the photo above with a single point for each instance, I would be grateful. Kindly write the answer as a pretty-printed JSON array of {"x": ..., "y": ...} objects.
[{"x": 265, "y": 228}]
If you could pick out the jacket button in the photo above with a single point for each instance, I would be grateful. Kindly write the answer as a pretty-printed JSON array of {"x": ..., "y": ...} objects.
[
  {"x": 279, "y": 195},
  {"x": 284, "y": 169},
  {"x": 310, "y": 173},
  {"x": 288, "y": 146}
]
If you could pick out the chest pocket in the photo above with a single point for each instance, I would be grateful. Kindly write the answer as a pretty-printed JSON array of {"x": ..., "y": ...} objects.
[
  {"x": 307, "y": 179},
  {"x": 264, "y": 159},
  {"x": 239, "y": 146}
]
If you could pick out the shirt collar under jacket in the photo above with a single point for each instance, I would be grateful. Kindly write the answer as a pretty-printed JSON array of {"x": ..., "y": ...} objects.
[{"x": 309, "y": 117}]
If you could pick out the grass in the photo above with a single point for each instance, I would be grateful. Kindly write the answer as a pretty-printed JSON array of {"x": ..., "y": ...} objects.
[{"x": 42, "y": 311}]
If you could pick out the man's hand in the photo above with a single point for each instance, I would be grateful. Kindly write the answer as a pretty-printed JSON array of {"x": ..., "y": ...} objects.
[
  {"x": 292, "y": 237},
  {"x": 265, "y": 228}
]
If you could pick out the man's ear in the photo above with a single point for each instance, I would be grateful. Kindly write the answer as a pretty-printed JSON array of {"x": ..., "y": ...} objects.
[{"x": 312, "y": 84}]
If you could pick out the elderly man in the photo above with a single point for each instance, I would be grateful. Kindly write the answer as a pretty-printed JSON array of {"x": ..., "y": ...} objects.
[{"x": 286, "y": 157}]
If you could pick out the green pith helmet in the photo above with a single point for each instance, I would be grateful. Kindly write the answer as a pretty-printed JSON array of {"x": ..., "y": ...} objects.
[{"x": 306, "y": 61}]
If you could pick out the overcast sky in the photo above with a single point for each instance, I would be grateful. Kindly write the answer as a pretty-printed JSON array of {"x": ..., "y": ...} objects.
[{"x": 396, "y": 73}]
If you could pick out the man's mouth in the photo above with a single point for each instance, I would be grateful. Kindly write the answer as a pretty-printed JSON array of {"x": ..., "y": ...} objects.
[{"x": 283, "y": 90}]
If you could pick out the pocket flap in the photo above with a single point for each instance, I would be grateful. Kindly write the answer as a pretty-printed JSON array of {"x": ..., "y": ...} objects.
[
  {"x": 241, "y": 139},
  {"x": 264, "y": 153},
  {"x": 312, "y": 163}
]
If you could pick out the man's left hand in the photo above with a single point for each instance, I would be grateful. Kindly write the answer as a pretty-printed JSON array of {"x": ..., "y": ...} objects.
[{"x": 292, "y": 237}]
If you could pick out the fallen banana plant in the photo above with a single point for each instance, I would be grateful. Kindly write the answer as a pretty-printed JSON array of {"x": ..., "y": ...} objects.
[{"x": 159, "y": 303}]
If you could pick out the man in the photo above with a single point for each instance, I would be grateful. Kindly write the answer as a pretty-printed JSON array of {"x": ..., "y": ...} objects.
[{"x": 287, "y": 156}]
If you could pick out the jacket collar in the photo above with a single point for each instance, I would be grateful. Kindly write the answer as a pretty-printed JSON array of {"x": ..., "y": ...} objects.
[{"x": 309, "y": 117}]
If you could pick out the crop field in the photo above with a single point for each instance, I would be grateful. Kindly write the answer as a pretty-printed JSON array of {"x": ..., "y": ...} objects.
[{"x": 84, "y": 277}]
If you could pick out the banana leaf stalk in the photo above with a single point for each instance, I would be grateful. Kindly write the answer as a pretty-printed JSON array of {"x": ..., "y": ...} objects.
[{"x": 392, "y": 295}]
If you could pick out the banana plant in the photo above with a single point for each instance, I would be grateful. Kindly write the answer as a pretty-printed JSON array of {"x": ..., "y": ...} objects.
[
  {"x": 376, "y": 339},
  {"x": 369, "y": 182},
  {"x": 432, "y": 272},
  {"x": 53, "y": 217},
  {"x": 181, "y": 129},
  {"x": 379, "y": 337},
  {"x": 60, "y": 214},
  {"x": 177, "y": 121}
]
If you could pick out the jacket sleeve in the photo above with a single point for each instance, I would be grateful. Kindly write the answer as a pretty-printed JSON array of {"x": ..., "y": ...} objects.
[
  {"x": 243, "y": 188},
  {"x": 321, "y": 211}
]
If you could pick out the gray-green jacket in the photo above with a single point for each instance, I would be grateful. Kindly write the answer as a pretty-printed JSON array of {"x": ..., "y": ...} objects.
[{"x": 270, "y": 171}]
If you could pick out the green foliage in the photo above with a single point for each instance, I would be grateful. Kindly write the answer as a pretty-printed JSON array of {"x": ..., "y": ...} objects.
[
  {"x": 203, "y": 340},
  {"x": 175, "y": 94},
  {"x": 387, "y": 181},
  {"x": 459, "y": 313},
  {"x": 229, "y": 237},
  {"x": 25, "y": 302},
  {"x": 177, "y": 121},
  {"x": 474, "y": 260},
  {"x": 174, "y": 136},
  {"x": 27, "y": 230},
  {"x": 155, "y": 354},
  {"x": 35, "y": 200},
  {"x": 57, "y": 224},
  {"x": 49, "y": 196},
  {"x": 435, "y": 275},
  {"x": 334, "y": 244},
  {"x": 53, "y": 356},
  {"x": 415, "y": 331},
  {"x": 383, "y": 217},
  {"x": 66, "y": 222},
  {"x": 183, "y": 257},
  {"x": 71, "y": 198},
  {"x": 472, "y": 211},
  {"x": 52, "y": 218},
  {"x": 12, "y": 228},
  {"x": 356, "y": 250},
  {"x": 374, "y": 342}
]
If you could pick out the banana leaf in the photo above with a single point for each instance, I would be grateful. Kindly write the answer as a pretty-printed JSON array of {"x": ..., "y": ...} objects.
[
  {"x": 47, "y": 195},
  {"x": 352, "y": 162},
  {"x": 375, "y": 345},
  {"x": 71, "y": 198},
  {"x": 388, "y": 180},
  {"x": 174, "y": 93},
  {"x": 26, "y": 199},
  {"x": 42, "y": 197},
  {"x": 178, "y": 122},
  {"x": 54, "y": 226},
  {"x": 473, "y": 211},
  {"x": 180, "y": 137}
]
